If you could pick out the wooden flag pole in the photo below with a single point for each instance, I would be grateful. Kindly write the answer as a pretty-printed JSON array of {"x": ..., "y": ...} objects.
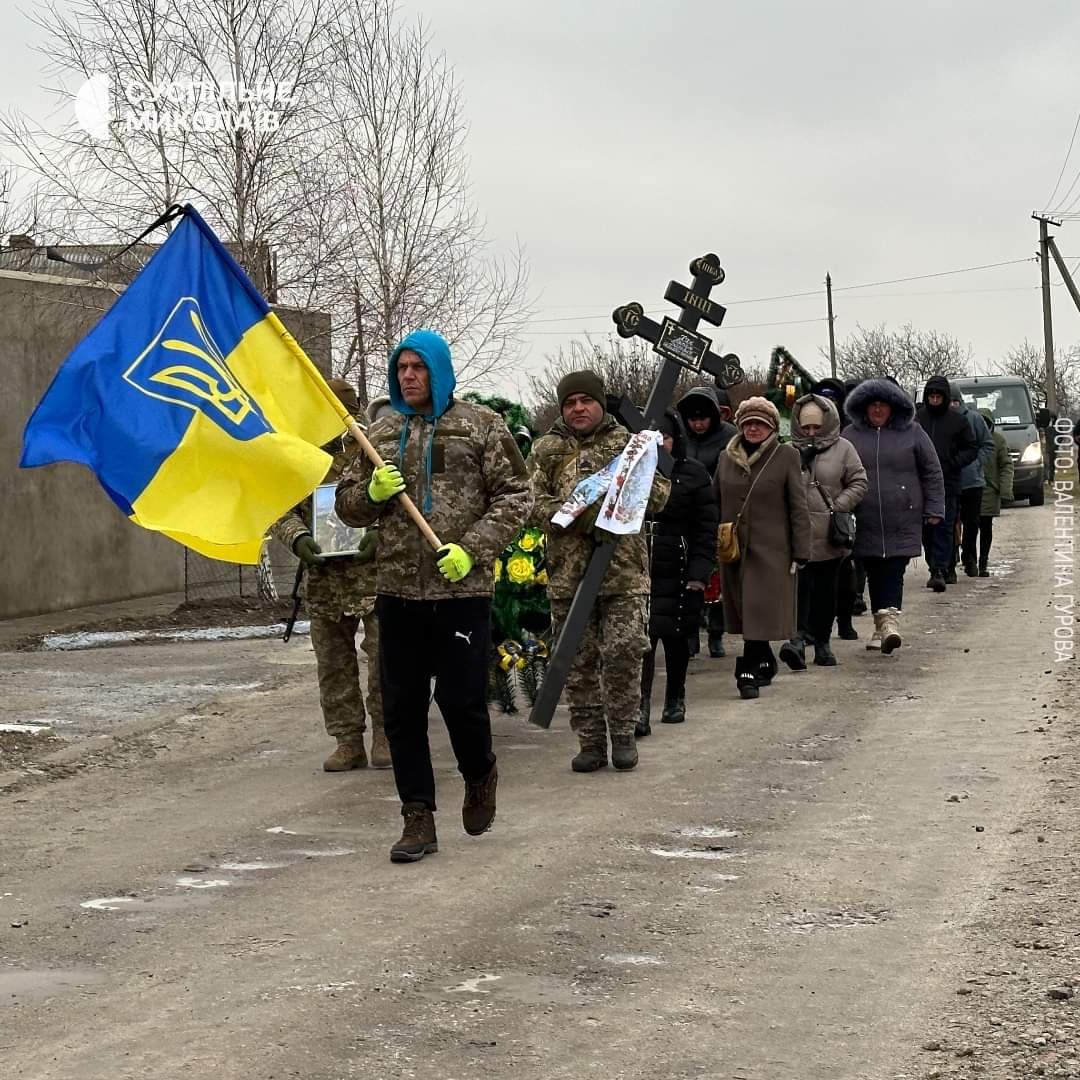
[{"x": 407, "y": 504}]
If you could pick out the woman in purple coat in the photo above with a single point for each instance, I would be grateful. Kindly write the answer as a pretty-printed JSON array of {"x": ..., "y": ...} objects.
[{"x": 906, "y": 491}]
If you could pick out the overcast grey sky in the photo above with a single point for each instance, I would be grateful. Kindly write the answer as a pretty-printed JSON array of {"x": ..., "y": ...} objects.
[
  {"x": 875, "y": 140},
  {"x": 619, "y": 140}
]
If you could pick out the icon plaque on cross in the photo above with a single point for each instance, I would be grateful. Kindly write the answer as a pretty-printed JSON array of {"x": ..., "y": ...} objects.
[{"x": 681, "y": 347}]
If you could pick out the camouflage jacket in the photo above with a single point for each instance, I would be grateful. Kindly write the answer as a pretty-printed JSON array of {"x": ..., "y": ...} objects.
[
  {"x": 558, "y": 462},
  {"x": 480, "y": 498},
  {"x": 340, "y": 585}
]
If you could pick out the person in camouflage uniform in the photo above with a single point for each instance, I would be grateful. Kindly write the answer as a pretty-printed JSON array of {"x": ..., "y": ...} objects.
[
  {"x": 604, "y": 685},
  {"x": 339, "y": 594},
  {"x": 460, "y": 465}
]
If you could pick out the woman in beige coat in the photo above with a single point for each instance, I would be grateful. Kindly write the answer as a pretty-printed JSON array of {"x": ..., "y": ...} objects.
[
  {"x": 759, "y": 485},
  {"x": 833, "y": 476}
]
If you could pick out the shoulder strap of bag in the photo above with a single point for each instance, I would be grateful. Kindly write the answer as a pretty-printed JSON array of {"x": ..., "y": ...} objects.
[
  {"x": 824, "y": 491},
  {"x": 746, "y": 501}
]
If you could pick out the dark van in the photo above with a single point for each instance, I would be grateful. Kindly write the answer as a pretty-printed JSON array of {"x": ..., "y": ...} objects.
[{"x": 1007, "y": 397}]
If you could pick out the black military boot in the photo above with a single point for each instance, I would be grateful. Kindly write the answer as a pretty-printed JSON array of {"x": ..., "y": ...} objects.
[
  {"x": 624, "y": 754},
  {"x": 418, "y": 837},
  {"x": 937, "y": 581},
  {"x": 589, "y": 759},
  {"x": 971, "y": 568},
  {"x": 478, "y": 809},
  {"x": 950, "y": 576},
  {"x": 844, "y": 629},
  {"x": 674, "y": 710},
  {"x": 984, "y": 570},
  {"x": 745, "y": 679}
]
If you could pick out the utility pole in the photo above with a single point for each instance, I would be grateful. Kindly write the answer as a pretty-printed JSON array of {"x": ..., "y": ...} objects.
[
  {"x": 832, "y": 319},
  {"x": 1048, "y": 326}
]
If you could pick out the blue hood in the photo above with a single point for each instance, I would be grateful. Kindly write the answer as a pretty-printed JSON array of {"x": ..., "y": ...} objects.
[{"x": 435, "y": 352}]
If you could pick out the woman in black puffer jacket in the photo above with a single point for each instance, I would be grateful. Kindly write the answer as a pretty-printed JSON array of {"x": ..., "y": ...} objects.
[{"x": 682, "y": 550}]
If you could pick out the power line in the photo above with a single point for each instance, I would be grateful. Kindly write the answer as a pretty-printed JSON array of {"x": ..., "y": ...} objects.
[
  {"x": 1076, "y": 127},
  {"x": 738, "y": 326},
  {"x": 810, "y": 292}
]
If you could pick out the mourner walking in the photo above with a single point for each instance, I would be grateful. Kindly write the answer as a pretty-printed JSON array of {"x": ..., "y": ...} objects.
[
  {"x": 761, "y": 495},
  {"x": 682, "y": 541},
  {"x": 460, "y": 464},
  {"x": 603, "y": 688},
  {"x": 339, "y": 594},
  {"x": 905, "y": 495},
  {"x": 835, "y": 482}
]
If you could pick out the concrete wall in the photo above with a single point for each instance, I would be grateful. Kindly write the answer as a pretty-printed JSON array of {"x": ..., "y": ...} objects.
[{"x": 64, "y": 543}]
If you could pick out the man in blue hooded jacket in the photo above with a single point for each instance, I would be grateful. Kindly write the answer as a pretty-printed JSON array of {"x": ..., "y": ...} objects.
[{"x": 461, "y": 466}]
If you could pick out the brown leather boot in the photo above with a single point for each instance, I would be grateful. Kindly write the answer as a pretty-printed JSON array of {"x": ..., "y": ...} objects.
[
  {"x": 418, "y": 837},
  {"x": 349, "y": 754},
  {"x": 380, "y": 750},
  {"x": 478, "y": 809}
]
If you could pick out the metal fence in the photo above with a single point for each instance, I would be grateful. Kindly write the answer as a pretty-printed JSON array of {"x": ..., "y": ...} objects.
[{"x": 210, "y": 579}]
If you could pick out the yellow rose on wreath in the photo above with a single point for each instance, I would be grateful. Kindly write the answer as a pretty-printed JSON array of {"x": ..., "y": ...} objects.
[
  {"x": 519, "y": 569},
  {"x": 529, "y": 540},
  {"x": 542, "y": 578}
]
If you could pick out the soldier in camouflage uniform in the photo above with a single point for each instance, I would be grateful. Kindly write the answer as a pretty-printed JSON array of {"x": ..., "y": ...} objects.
[
  {"x": 339, "y": 594},
  {"x": 460, "y": 465},
  {"x": 604, "y": 685}
]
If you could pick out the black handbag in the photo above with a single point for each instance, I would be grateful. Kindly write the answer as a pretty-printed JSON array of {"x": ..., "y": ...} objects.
[{"x": 841, "y": 522}]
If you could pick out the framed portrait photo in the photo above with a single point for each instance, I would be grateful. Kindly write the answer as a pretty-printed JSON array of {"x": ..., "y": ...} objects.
[{"x": 330, "y": 532}]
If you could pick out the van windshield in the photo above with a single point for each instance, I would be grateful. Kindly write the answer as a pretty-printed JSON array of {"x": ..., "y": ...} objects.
[{"x": 1009, "y": 404}]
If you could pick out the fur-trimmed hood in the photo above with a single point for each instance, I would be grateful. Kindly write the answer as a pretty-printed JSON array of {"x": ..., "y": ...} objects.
[{"x": 903, "y": 408}]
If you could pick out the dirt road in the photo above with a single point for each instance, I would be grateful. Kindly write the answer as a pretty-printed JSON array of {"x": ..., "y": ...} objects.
[{"x": 869, "y": 873}]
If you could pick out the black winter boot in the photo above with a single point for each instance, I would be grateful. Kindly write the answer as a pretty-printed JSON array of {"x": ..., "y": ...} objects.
[
  {"x": 674, "y": 710},
  {"x": 745, "y": 679},
  {"x": 984, "y": 570},
  {"x": 823, "y": 654},
  {"x": 937, "y": 581},
  {"x": 845, "y": 631},
  {"x": 716, "y": 646},
  {"x": 971, "y": 568},
  {"x": 950, "y": 576},
  {"x": 793, "y": 653}
]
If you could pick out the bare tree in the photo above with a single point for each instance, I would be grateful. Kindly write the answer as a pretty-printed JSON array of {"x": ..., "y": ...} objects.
[
  {"x": 910, "y": 356},
  {"x": 328, "y": 151},
  {"x": 627, "y": 367},
  {"x": 1028, "y": 362},
  {"x": 416, "y": 253}
]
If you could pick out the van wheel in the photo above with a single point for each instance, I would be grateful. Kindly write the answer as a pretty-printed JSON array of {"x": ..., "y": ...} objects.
[{"x": 1037, "y": 497}]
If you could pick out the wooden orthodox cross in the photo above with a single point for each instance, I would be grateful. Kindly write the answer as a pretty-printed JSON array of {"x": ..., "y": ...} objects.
[{"x": 680, "y": 347}]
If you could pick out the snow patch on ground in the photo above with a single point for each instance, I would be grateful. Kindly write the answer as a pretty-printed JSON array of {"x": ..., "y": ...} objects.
[
  {"x": 96, "y": 639},
  {"x": 692, "y": 853}
]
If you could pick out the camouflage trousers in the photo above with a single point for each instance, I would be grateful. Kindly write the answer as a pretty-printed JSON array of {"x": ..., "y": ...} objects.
[
  {"x": 603, "y": 688},
  {"x": 338, "y": 664}
]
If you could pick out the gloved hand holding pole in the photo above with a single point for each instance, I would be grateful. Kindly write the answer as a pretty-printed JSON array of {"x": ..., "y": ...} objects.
[{"x": 407, "y": 504}]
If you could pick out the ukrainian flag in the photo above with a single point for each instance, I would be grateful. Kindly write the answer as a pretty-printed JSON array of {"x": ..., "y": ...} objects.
[{"x": 195, "y": 408}]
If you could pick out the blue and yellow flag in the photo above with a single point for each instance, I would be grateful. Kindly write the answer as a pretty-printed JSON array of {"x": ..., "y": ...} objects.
[{"x": 195, "y": 408}]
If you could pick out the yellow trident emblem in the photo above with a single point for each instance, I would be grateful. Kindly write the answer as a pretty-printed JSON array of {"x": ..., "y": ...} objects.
[
  {"x": 184, "y": 365},
  {"x": 224, "y": 393}
]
